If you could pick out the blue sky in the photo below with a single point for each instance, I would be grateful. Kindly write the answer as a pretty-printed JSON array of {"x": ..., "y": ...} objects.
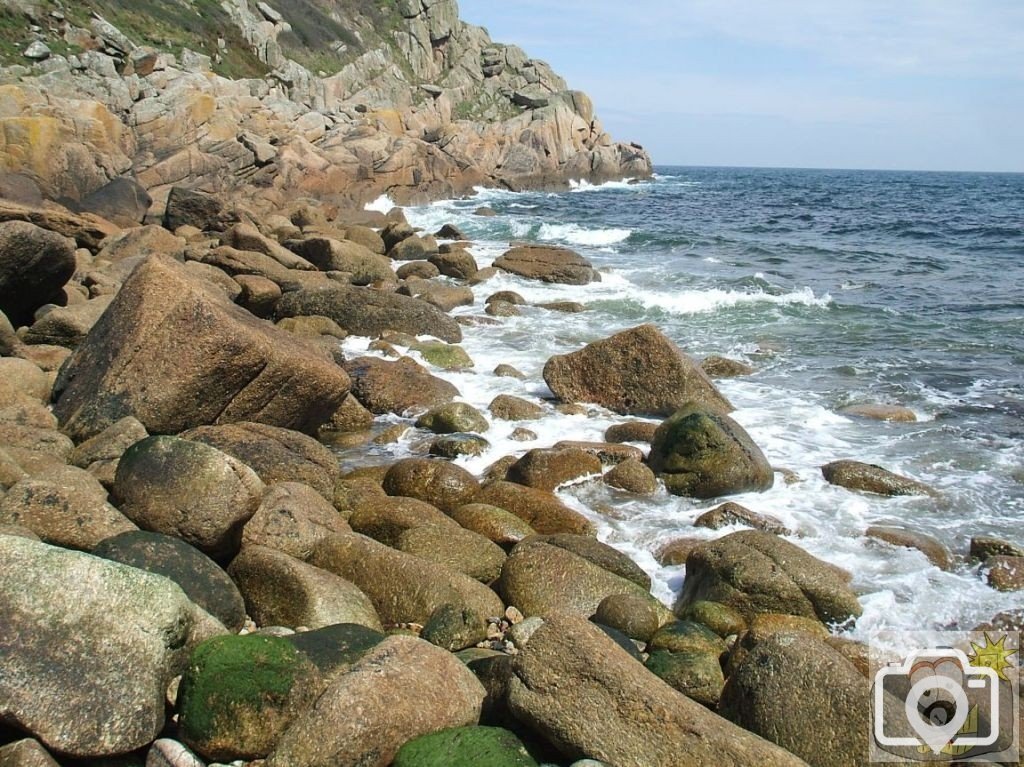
[{"x": 901, "y": 84}]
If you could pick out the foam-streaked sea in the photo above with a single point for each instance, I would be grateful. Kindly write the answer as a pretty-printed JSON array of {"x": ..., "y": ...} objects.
[{"x": 840, "y": 288}]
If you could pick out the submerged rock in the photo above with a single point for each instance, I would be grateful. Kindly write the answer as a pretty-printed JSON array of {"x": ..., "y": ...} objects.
[{"x": 854, "y": 475}]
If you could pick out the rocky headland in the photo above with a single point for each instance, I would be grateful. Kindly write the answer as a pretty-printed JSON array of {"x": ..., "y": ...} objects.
[{"x": 191, "y": 575}]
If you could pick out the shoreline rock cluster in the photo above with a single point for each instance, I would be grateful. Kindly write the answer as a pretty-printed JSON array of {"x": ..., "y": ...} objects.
[{"x": 193, "y": 577}]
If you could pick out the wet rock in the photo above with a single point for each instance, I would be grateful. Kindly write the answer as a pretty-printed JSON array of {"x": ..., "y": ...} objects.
[
  {"x": 541, "y": 509},
  {"x": 522, "y": 434},
  {"x": 635, "y": 616},
  {"x": 367, "y": 714},
  {"x": 453, "y": 417},
  {"x": 893, "y": 413},
  {"x": 65, "y": 506},
  {"x": 456, "y": 263},
  {"x": 507, "y": 371},
  {"x": 723, "y": 367},
  {"x": 495, "y": 524},
  {"x": 546, "y": 469},
  {"x": 403, "y": 588},
  {"x": 590, "y": 698},
  {"x": 723, "y": 620},
  {"x": 199, "y": 577},
  {"x": 465, "y": 747},
  {"x": 1005, "y": 573},
  {"x": 99, "y": 690},
  {"x": 366, "y": 312},
  {"x": 936, "y": 551},
  {"x": 609, "y": 453},
  {"x": 501, "y": 309},
  {"x": 160, "y": 477},
  {"x": 788, "y": 674},
  {"x": 240, "y": 693},
  {"x": 333, "y": 649},
  {"x": 687, "y": 637},
  {"x": 510, "y": 408},
  {"x": 566, "y": 307},
  {"x": 175, "y": 355},
  {"x": 730, "y": 513},
  {"x": 443, "y": 296},
  {"x": 637, "y": 371},
  {"x": 385, "y": 519},
  {"x": 461, "y": 550},
  {"x": 454, "y": 629},
  {"x": 698, "y": 676},
  {"x": 854, "y": 475},
  {"x": 275, "y": 454},
  {"x": 439, "y": 483},
  {"x": 292, "y": 518},
  {"x": 984, "y": 546},
  {"x": 442, "y": 355},
  {"x": 704, "y": 454},
  {"x": 34, "y": 265},
  {"x": 280, "y": 590},
  {"x": 455, "y": 445},
  {"x": 397, "y": 387},
  {"x": 547, "y": 264},
  {"x": 756, "y": 572},
  {"x": 632, "y": 476}
]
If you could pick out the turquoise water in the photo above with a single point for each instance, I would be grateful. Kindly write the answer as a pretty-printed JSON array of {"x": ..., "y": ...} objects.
[{"x": 839, "y": 287}]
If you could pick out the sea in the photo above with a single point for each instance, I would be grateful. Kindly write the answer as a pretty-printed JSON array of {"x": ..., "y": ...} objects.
[{"x": 839, "y": 288}]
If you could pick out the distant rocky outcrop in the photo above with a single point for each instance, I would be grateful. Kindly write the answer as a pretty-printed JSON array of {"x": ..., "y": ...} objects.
[{"x": 284, "y": 99}]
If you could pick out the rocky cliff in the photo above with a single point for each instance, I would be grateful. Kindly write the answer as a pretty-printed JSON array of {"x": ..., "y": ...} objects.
[{"x": 341, "y": 100}]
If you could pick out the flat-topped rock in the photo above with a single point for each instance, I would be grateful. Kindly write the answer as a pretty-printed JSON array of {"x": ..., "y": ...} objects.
[{"x": 548, "y": 263}]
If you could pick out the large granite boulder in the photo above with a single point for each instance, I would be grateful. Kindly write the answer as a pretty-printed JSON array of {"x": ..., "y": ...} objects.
[
  {"x": 436, "y": 482},
  {"x": 756, "y": 572},
  {"x": 174, "y": 353},
  {"x": 275, "y": 454},
  {"x": 540, "y": 509},
  {"x": 703, "y": 453},
  {"x": 34, "y": 265},
  {"x": 638, "y": 371},
  {"x": 547, "y": 468},
  {"x": 293, "y": 518},
  {"x": 88, "y": 647},
  {"x": 401, "y": 689},
  {"x": 188, "y": 490},
  {"x": 548, "y": 263},
  {"x": 366, "y": 312},
  {"x": 331, "y": 255},
  {"x": 397, "y": 387},
  {"x": 404, "y": 588},
  {"x": 590, "y": 698},
  {"x": 385, "y": 519}
]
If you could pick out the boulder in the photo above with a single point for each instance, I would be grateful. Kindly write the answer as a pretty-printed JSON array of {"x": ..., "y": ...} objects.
[
  {"x": 632, "y": 476},
  {"x": 601, "y": 554},
  {"x": 1005, "y": 573},
  {"x": 170, "y": 753},
  {"x": 935, "y": 550},
  {"x": 985, "y": 546},
  {"x": 109, "y": 444},
  {"x": 465, "y": 747},
  {"x": 423, "y": 270},
  {"x": 350, "y": 417},
  {"x": 366, "y": 312},
  {"x": 385, "y": 519},
  {"x": 240, "y": 693},
  {"x": 637, "y": 371},
  {"x": 403, "y": 588},
  {"x": 329, "y": 255},
  {"x": 188, "y": 208},
  {"x": 174, "y": 353},
  {"x": 702, "y": 453},
  {"x": 685, "y": 636},
  {"x": 292, "y": 518},
  {"x": 35, "y": 264},
  {"x": 510, "y": 408},
  {"x": 590, "y": 698},
  {"x": 122, "y": 201},
  {"x": 730, "y": 513},
  {"x": 461, "y": 550},
  {"x": 67, "y": 326},
  {"x": 796, "y": 691},
  {"x": 454, "y": 629},
  {"x": 442, "y": 355},
  {"x": 280, "y": 590},
  {"x": 202, "y": 580},
  {"x": 546, "y": 469},
  {"x": 497, "y": 525},
  {"x": 452, "y": 418},
  {"x": 508, "y": 371},
  {"x": 456, "y": 263},
  {"x": 756, "y": 572},
  {"x": 540, "y": 509},
  {"x": 100, "y": 688},
  {"x": 365, "y": 236},
  {"x": 8, "y": 338},
  {"x": 723, "y": 367},
  {"x": 675, "y": 551},
  {"x": 188, "y": 490},
  {"x": 275, "y": 454},
  {"x": 696, "y": 675},
  {"x": 854, "y": 475},
  {"x": 631, "y": 431},
  {"x": 443, "y": 296},
  {"x": 334, "y": 649},
  {"x": 141, "y": 241},
  {"x": 365, "y": 716},
  {"x": 452, "y": 446},
  {"x": 547, "y": 263},
  {"x": 542, "y": 579},
  {"x": 397, "y": 387},
  {"x": 439, "y": 483},
  {"x": 26, "y": 752},
  {"x": 22, "y": 381},
  {"x": 636, "y": 616},
  {"x": 894, "y": 413},
  {"x": 413, "y": 248},
  {"x": 65, "y": 506}
]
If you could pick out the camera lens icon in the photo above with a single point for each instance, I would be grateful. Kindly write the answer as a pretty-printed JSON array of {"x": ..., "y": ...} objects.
[{"x": 939, "y": 690}]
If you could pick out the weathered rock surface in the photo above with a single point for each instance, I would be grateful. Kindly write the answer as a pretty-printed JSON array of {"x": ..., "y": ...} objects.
[
  {"x": 175, "y": 354},
  {"x": 292, "y": 518},
  {"x": 637, "y": 371},
  {"x": 34, "y": 265},
  {"x": 25, "y": 753},
  {"x": 540, "y": 509},
  {"x": 854, "y": 475},
  {"x": 756, "y": 572},
  {"x": 465, "y": 747},
  {"x": 590, "y": 698},
  {"x": 397, "y": 387},
  {"x": 703, "y": 453},
  {"x": 385, "y": 519},
  {"x": 730, "y": 513},
  {"x": 436, "y": 482},
  {"x": 546, "y": 469},
  {"x": 547, "y": 263},
  {"x": 367, "y": 714},
  {"x": 935, "y": 550},
  {"x": 452, "y": 418},
  {"x": 98, "y": 689}
]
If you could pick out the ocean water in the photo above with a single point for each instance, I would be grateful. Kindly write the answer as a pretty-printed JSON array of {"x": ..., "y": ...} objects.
[{"x": 840, "y": 288}]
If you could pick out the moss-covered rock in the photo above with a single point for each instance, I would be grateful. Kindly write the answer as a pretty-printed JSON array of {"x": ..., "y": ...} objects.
[
  {"x": 465, "y": 747},
  {"x": 240, "y": 693},
  {"x": 455, "y": 547},
  {"x": 697, "y": 675},
  {"x": 334, "y": 648},
  {"x": 454, "y": 629},
  {"x": 716, "y": 616},
  {"x": 500, "y": 526},
  {"x": 452, "y": 418},
  {"x": 687, "y": 636},
  {"x": 442, "y": 355},
  {"x": 454, "y": 445}
]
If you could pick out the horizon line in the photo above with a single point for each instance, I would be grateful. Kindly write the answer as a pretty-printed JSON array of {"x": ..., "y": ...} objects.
[{"x": 828, "y": 168}]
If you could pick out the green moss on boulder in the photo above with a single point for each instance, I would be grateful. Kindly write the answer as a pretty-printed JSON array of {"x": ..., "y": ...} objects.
[{"x": 465, "y": 747}]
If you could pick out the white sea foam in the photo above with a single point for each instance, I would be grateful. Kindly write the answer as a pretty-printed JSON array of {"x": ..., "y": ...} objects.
[
  {"x": 702, "y": 301},
  {"x": 586, "y": 186},
  {"x": 382, "y": 204},
  {"x": 578, "y": 235}
]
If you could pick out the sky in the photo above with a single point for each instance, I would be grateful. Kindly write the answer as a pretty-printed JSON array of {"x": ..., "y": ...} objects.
[{"x": 885, "y": 84}]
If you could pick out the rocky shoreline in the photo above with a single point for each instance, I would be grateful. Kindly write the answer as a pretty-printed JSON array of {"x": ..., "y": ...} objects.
[{"x": 193, "y": 577}]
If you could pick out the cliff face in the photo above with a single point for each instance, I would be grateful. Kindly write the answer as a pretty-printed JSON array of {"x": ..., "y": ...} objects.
[{"x": 280, "y": 99}]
